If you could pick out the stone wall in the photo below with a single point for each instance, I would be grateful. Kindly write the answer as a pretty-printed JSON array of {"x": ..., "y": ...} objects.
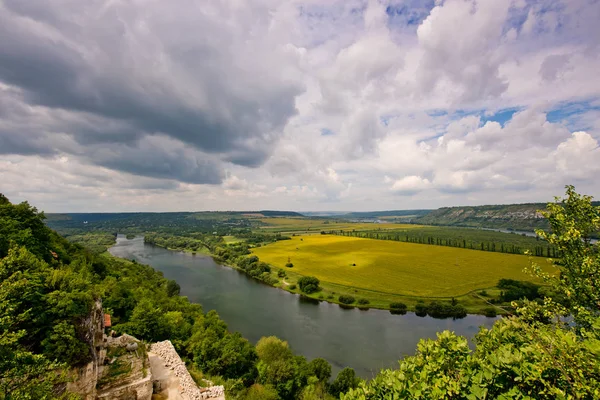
[{"x": 187, "y": 387}]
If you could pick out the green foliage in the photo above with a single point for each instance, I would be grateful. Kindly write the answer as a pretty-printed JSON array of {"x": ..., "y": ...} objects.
[
  {"x": 218, "y": 352},
  {"x": 309, "y": 284},
  {"x": 363, "y": 302},
  {"x": 534, "y": 354},
  {"x": 490, "y": 312},
  {"x": 277, "y": 366},
  {"x": 173, "y": 288},
  {"x": 289, "y": 265},
  {"x": 443, "y": 310},
  {"x": 346, "y": 299},
  {"x": 260, "y": 392},
  {"x": 292, "y": 287},
  {"x": 517, "y": 290},
  {"x": 398, "y": 308},
  {"x": 345, "y": 381},
  {"x": 320, "y": 369}
]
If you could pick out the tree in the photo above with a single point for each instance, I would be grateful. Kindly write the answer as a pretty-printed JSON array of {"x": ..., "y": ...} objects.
[
  {"x": 320, "y": 368},
  {"x": 309, "y": 284},
  {"x": 345, "y": 380},
  {"x": 173, "y": 288},
  {"x": 277, "y": 366}
]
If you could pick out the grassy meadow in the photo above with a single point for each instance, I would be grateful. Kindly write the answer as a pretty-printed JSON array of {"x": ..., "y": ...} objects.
[{"x": 393, "y": 268}]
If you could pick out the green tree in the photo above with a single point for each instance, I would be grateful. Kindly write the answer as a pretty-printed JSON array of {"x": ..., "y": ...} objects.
[
  {"x": 345, "y": 380},
  {"x": 309, "y": 284},
  {"x": 277, "y": 366},
  {"x": 320, "y": 368}
]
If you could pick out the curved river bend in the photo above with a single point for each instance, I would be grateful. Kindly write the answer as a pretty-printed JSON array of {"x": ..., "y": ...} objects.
[{"x": 364, "y": 340}]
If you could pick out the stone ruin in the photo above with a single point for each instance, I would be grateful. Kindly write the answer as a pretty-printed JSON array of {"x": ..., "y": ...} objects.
[{"x": 187, "y": 386}]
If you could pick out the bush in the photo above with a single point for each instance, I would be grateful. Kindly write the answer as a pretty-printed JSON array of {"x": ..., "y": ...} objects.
[
  {"x": 398, "y": 308},
  {"x": 309, "y": 284},
  {"x": 289, "y": 265},
  {"x": 421, "y": 310},
  {"x": 281, "y": 273},
  {"x": 363, "y": 301},
  {"x": 490, "y": 312},
  {"x": 292, "y": 287},
  {"x": 346, "y": 299},
  {"x": 310, "y": 289},
  {"x": 345, "y": 380},
  {"x": 444, "y": 310}
]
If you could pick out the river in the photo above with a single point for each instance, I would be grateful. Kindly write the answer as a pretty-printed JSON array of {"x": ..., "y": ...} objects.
[{"x": 364, "y": 340}]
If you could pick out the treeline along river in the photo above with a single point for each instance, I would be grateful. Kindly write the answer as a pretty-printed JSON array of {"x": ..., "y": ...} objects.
[{"x": 364, "y": 340}]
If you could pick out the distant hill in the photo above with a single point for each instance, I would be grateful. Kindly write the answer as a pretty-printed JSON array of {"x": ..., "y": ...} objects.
[
  {"x": 511, "y": 216},
  {"x": 525, "y": 217},
  {"x": 390, "y": 213}
]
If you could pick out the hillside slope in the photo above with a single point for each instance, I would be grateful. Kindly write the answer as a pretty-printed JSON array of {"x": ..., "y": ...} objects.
[{"x": 511, "y": 216}]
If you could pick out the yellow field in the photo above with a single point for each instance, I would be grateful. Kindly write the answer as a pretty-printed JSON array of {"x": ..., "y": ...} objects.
[
  {"x": 318, "y": 225},
  {"x": 394, "y": 267}
]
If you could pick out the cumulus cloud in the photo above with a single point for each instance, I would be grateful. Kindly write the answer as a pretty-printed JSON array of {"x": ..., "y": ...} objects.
[
  {"x": 297, "y": 104},
  {"x": 410, "y": 185}
]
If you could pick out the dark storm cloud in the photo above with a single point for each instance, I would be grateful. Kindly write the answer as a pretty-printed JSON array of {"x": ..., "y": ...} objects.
[{"x": 116, "y": 74}]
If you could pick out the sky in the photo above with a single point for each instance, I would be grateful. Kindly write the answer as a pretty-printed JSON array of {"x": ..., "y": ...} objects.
[{"x": 314, "y": 105}]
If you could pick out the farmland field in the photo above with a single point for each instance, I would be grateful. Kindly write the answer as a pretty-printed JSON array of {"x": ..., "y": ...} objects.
[
  {"x": 317, "y": 225},
  {"x": 393, "y": 267}
]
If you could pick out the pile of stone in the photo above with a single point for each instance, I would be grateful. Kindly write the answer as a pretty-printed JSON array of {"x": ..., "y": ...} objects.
[
  {"x": 187, "y": 386},
  {"x": 122, "y": 341}
]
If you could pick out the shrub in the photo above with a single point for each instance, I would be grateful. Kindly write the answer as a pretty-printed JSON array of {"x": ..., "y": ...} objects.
[
  {"x": 292, "y": 287},
  {"x": 281, "y": 273},
  {"x": 310, "y": 289},
  {"x": 398, "y": 308},
  {"x": 444, "y": 310},
  {"x": 421, "y": 310},
  {"x": 309, "y": 284},
  {"x": 363, "y": 301},
  {"x": 490, "y": 312},
  {"x": 289, "y": 265},
  {"x": 346, "y": 299}
]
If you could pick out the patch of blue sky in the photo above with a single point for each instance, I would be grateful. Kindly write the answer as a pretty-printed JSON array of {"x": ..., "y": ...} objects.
[
  {"x": 501, "y": 116},
  {"x": 571, "y": 113},
  {"x": 327, "y": 132},
  {"x": 408, "y": 13}
]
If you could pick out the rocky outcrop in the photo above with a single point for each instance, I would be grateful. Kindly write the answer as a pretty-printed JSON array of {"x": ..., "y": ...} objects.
[
  {"x": 187, "y": 387},
  {"x": 85, "y": 379},
  {"x": 126, "y": 374}
]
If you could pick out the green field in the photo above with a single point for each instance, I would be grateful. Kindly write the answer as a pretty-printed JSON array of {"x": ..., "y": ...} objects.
[{"x": 394, "y": 268}]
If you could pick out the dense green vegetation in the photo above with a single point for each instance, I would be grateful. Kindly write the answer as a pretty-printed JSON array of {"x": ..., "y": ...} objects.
[
  {"x": 49, "y": 285},
  {"x": 549, "y": 350}
]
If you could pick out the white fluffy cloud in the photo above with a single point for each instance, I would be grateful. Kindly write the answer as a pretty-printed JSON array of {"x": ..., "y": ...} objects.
[{"x": 303, "y": 104}]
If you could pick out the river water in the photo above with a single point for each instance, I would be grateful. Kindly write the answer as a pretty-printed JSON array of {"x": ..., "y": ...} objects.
[{"x": 364, "y": 340}]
